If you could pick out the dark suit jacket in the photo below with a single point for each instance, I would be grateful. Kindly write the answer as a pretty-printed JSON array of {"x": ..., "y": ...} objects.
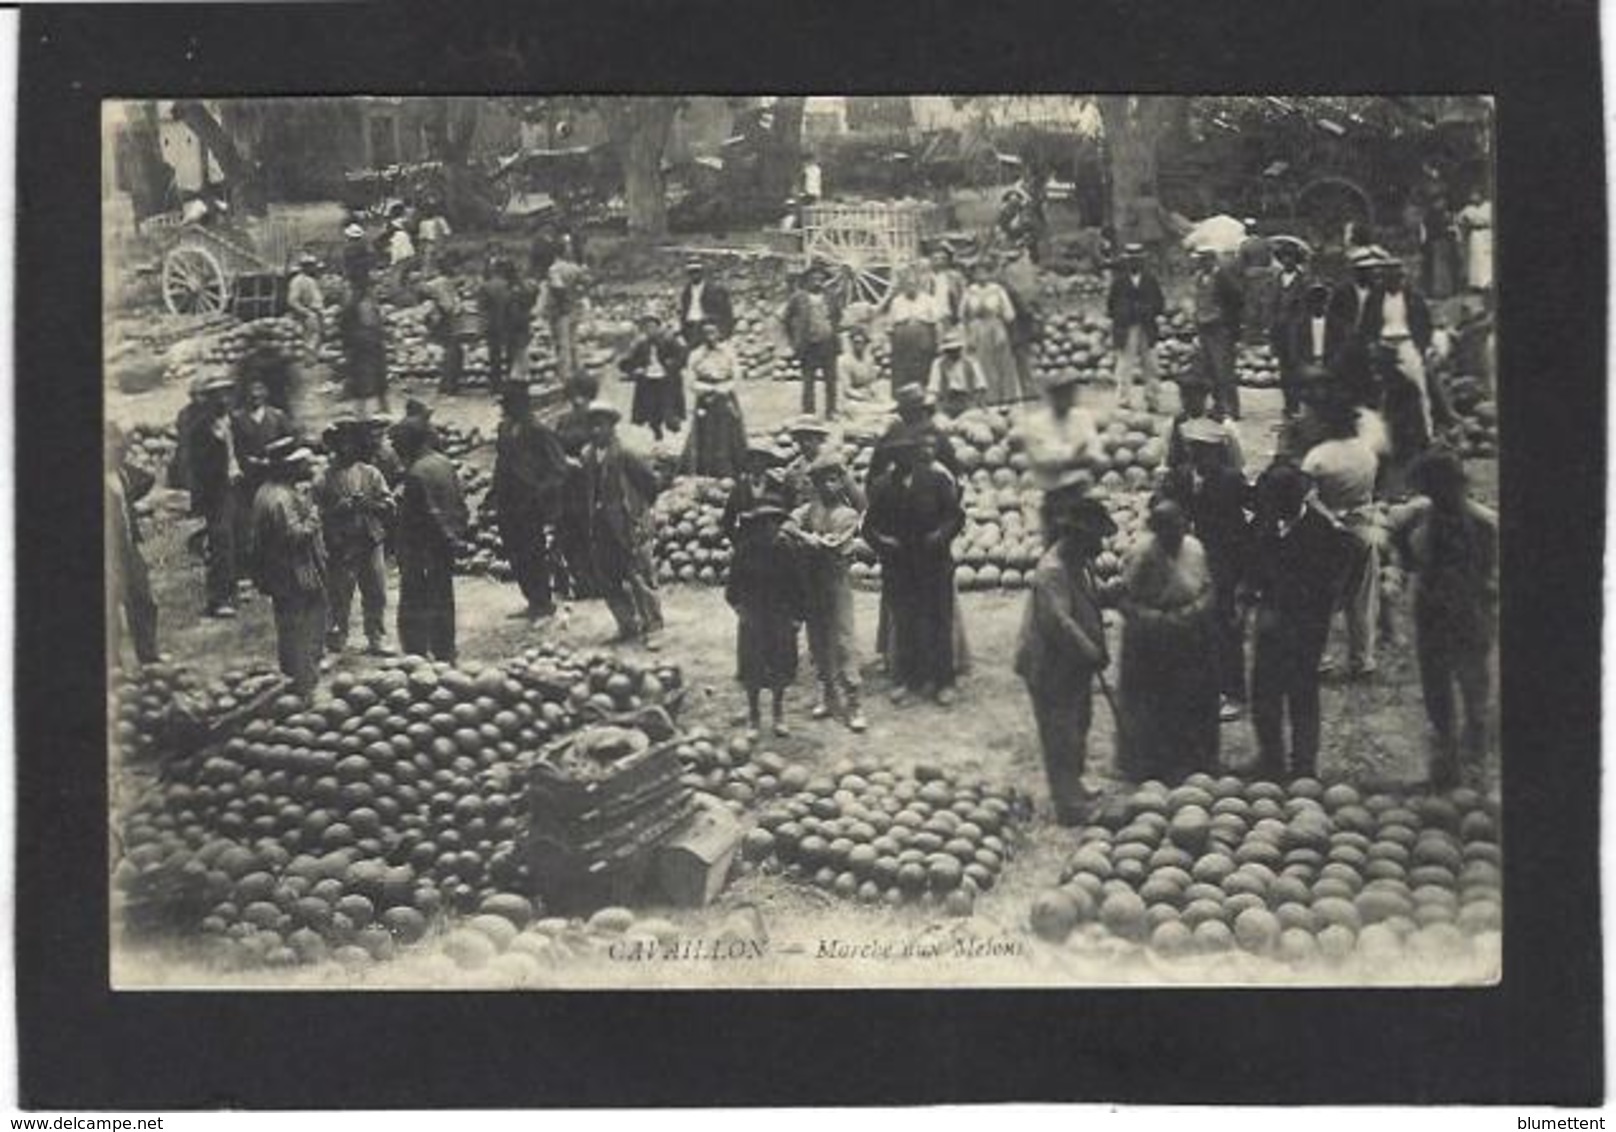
[
  {"x": 1342, "y": 323},
  {"x": 619, "y": 489},
  {"x": 209, "y": 471},
  {"x": 1287, "y": 325},
  {"x": 252, "y": 437},
  {"x": 1298, "y": 577},
  {"x": 1131, "y": 306},
  {"x": 529, "y": 467},
  {"x": 716, "y": 309}
]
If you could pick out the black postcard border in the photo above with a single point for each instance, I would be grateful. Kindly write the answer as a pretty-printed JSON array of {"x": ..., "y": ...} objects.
[{"x": 1536, "y": 1038}]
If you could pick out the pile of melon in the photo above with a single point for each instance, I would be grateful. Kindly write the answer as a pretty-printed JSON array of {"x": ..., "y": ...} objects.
[
  {"x": 358, "y": 819},
  {"x": 689, "y": 543},
  {"x": 1257, "y": 367},
  {"x": 733, "y": 772},
  {"x": 280, "y": 338},
  {"x": 866, "y": 833},
  {"x": 1475, "y": 433},
  {"x": 520, "y": 947},
  {"x": 146, "y": 701},
  {"x": 151, "y": 447},
  {"x": 1077, "y": 343},
  {"x": 1303, "y": 874}
]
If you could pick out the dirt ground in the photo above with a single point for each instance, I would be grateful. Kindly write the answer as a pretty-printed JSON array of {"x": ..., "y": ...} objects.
[{"x": 1374, "y": 733}]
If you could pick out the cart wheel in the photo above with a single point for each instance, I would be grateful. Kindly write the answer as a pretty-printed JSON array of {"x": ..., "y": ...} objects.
[
  {"x": 194, "y": 281},
  {"x": 861, "y": 283}
]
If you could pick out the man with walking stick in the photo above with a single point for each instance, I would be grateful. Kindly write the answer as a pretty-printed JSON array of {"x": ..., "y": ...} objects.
[{"x": 1062, "y": 646}]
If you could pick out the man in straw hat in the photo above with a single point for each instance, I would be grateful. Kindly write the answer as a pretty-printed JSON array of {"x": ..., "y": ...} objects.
[
  {"x": 619, "y": 490},
  {"x": 290, "y": 560},
  {"x": 356, "y": 508},
  {"x": 358, "y": 258},
  {"x": 956, "y": 380},
  {"x": 530, "y": 471},
  {"x": 1288, "y": 328},
  {"x": 915, "y": 411},
  {"x": 762, "y": 586},
  {"x": 1351, "y": 304},
  {"x": 812, "y": 439},
  {"x": 305, "y": 303},
  {"x": 219, "y": 492},
  {"x": 1134, "y": 302},
  {"x": 1061, "y": 646},
  {"x": 432, "y": 521},
  {"x": 823, "y": 530}
]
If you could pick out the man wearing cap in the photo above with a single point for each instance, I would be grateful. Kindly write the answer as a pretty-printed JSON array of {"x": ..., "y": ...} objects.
[
  {"x": 1298, "y": 560},
  {"x": 529, "y": 474},
  {"x": 655, "y": 363},
  {"x": 1289, "y": 329},
  {"x": 1402, "y": 329},
  {"x": 1134, "y": 303},
  {"x": 824, "y": 530},
  {"x": 762, "y": 587},
  {"x": 1059, "y": 437},
  {"x": 619, "y": 489},
  {"x": 1218, "y": 305},
  {"x": 561, "y": 303},
  {"x": 128, "y": 579},
  {"x": 356, "y": 508},
  {"x": 811, "y": 321},
  {"x": 703, "y": 301},
  {"x": 1352, "y": 304},
  {"x": 305, "y": 303},
  {"x": 290, "y": 560},
  {"x": 432, "y": 521},
  {"x": 1061, "y": 645},
  {"x": 220, "y": 494},
  {"x": 812, "y": 440}
]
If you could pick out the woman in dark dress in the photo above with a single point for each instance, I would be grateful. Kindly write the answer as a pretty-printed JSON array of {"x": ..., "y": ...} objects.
[{"x": 656, "y": 365}]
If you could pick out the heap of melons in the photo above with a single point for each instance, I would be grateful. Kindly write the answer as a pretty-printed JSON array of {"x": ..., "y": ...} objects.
[
  {"x": 356, "y": 819},
  {"x": 1257, "y": 367},
  {"x": 731, "y": 770},
  {"x": 864, "y": 832},
  {"x": 1077, "y": 342},
  {"x": 151, "y": 447},
  {"x": 690, "y": 544},
  {"x": 1475, "y": 434},
  {"x": 1301, "y": 873},
  {"x": 144, "y": 701}
]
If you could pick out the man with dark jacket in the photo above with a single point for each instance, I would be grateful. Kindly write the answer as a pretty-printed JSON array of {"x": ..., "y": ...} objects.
[
  {"x": 1134, "y": 303},
  {"x": 1291, "y": 322},
  {"x": 432, "y": 519},
  {"x": 1352, "y": 304},
  {"x": 812, "y": 320},
  {"x": 356, "y": 509},
  {"x": 529, "y": 476},
  {"x": 1219, "y": 301},
  {"x": 1299, "y": 558},
  {"x": 217, "y": 485},
  {"x": 255, "y": 426},
  {"x": 619, "y": 489},
  {"x": 494, "y": 303},
  {"x": 290, "y": 560},
  {"x": 703, "y": 301}
]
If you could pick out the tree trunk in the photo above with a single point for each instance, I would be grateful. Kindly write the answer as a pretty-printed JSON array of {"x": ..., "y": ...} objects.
[
  {"x": 782, "y": 152},
  {"x": 1133, "y": 127},
  {"x": 451, "y": 128},
  {"x": 640, "y": 128},
  {"x": 241, "y": 174}
]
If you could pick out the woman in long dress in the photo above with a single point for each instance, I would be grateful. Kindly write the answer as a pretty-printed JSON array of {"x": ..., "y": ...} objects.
[
  {"x": 911, "y": 333},
  {"x": 1169, "y": 685},
  {"x": 717, "y": 442},
  {"x": 1476, "y": 222},
  {"x": 987, "y": 314}
]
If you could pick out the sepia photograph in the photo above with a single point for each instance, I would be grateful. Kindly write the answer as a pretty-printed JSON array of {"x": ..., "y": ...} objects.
[{"x": 771, "y": 542}]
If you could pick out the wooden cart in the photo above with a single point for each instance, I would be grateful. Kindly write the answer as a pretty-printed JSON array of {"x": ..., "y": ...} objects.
[
  {"x": 865, "y": 245},
  {"x": 210, "y": 269}
]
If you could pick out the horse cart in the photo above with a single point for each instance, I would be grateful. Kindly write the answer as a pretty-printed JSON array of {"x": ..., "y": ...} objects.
[{"x": 864, "y": 246}]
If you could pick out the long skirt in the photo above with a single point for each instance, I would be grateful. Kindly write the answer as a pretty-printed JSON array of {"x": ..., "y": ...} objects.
[
  {"x": 717, "y": 439},
  {"x": 914, "y": 345},
  {"x": 659, "y": 404},
  {"x": 917, "y": 588},
  {"x": 1169, "y": 701},
  {"x": 988, "y": 340},
  {"x": 886, "y": 646}
]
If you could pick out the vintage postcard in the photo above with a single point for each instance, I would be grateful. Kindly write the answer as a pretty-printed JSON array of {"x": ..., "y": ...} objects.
[{"x": 931, "y": 541}]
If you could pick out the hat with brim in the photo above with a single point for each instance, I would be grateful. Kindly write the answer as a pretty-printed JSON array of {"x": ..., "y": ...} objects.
[
  {"x": 806, "y": 426},
  {"x": 953, "y": 340},
  {"x": 1071, "y": 510},
  {"x": 695, "y": 265},
  {"x": 1202, "y": 430},
  {"x": 354, "y": 232},
  {"x": 760, "y": 452},
  {"x": 764, "y": 511},
  {"x": 343, "y": 427},
  {"x": 216, "y": 384},
  {"x": 287, "y": 452},
  {"x": 308, "y": 259},
  {"x": 1133, "y": 251},
  {"x": 827, "y": 464},
  {"x": 603, "y": 410}
]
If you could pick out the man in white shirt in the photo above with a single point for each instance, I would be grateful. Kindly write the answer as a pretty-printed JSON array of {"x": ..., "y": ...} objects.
[{"x": 1343, "y": 468}]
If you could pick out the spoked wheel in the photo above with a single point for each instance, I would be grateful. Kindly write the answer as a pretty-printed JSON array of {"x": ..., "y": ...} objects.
[
  {"x": 194, "y": 281},
  {"x": 860, "y": 283}
]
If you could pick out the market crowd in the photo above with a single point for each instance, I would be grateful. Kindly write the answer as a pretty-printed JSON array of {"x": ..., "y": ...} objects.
[{"x": 1227, "y": 601}]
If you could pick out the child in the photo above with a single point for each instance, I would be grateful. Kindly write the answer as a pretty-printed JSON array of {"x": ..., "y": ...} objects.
[
  {"x": 762, "y": 586},
  {"x": 824, "y": 529},
  {"x": 1194, "y": 425}
]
